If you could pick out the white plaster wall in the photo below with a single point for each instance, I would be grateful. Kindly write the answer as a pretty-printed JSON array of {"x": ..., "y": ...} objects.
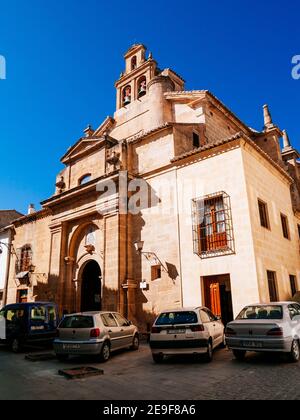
[
  {"x": 4, "y": 237},
  {"x": 220, "y": 172}
]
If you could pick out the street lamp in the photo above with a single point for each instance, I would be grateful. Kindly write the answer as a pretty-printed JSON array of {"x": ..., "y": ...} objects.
[{"x": 9, "y": 247}]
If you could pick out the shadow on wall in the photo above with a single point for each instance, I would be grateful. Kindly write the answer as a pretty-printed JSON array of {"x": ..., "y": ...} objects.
[{"x": 46, "y": 291}]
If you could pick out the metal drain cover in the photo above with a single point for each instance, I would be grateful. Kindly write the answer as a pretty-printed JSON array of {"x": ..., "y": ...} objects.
[{"x": 80, "y": 372}]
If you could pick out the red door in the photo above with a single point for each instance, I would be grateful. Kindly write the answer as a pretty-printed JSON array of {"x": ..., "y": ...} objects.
[{"x": 215, "y": 299}]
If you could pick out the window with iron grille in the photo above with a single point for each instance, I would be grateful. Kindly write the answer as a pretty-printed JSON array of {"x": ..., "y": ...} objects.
[
  {"x": 212, "y": 226},
  {"x": 272, "y": 283},
  {"x": 24, "y": 260}
]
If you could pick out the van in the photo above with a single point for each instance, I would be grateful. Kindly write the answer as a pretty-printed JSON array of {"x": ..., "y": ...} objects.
[{"x": 28, "y": 323}]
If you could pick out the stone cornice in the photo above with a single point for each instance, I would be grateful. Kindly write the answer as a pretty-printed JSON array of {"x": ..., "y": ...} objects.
[
  {"x": 196, "y": 153},
  {"x": 77, "y": 191}
]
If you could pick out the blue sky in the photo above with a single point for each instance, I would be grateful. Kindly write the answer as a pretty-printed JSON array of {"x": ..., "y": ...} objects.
[{"x": 64, "y": 56}]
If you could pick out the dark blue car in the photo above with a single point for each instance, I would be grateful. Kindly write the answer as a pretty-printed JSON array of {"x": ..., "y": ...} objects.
[{"x": 28, "y": 323}]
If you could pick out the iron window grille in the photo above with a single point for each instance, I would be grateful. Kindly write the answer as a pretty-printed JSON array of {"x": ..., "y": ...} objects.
[
  {"x": 213, "y": 233},
  {"x": 24, "y": 260}
]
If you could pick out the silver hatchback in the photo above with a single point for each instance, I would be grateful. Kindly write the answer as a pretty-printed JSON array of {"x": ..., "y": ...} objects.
[{"x": 95, "y": 333}]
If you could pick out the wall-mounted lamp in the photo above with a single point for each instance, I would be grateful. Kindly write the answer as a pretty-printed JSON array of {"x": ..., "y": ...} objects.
[
  {"x": 139, "y": 245},
  {"x": 9, "y": 247},
  {"x": 151, "y": 257}
]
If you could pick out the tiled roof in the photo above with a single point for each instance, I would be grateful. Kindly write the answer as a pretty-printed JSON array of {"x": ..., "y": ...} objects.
[
  {"x": 8, "y": 216},
  {"x": 208, "y": 147},
  {"x": 143, "y": 134},
  {"x": 239, "y": 135}
]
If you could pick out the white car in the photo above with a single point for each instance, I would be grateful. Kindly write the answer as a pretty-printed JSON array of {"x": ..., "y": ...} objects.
[
  {"x": 186, "y": 331},
  {"x": 273, "y": 327}
]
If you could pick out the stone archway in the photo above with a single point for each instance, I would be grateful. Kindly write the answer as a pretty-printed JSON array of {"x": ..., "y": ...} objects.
[{"x": 91, "y": 287}]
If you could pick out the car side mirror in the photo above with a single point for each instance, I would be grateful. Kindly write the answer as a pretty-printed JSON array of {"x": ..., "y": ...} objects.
[
  {"x": 218, "y": 318},
  {"x": 129, "y": 323}
]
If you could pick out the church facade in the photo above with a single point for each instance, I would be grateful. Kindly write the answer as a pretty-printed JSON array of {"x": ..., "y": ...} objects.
[{"x": 173, "y": 201}]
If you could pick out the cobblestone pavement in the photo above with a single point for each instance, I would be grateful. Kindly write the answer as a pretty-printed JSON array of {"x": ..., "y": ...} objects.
[{"x": 133, "y": 376}]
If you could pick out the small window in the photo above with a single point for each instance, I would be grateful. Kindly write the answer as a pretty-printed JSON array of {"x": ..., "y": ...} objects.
[
  {"x": 22, "y": 296},
  {"x": 299, "y": 231},
  {"x": 85, "y": 179},
  {"x": 285, "y": 226},
  {"x": 293, "y": 283},
  {"x": 38, "y": 314},
  {"x": 13, "y": 316},
  {"x": 294, "y": 310},
  {"x": 133, "y": 63},
  {"x": 155, "y": 272},
  {"x": 263, "y": 214},
  {"x": 204, "y": 317},
  {"x": 272, "y": 283},
  {"x": 52, "y": 314},
  {"x": 177, "y": 318},
  {"x": 77, "y": 321},
  {"x": 121, "y": 320},
  {"x": 196, "y": 140},
  {"x": 109, "y": 320}
]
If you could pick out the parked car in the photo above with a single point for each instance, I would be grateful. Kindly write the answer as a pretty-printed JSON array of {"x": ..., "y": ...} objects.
[
  {"x": 95, "y": 333},
  {"x": 296, "y": 297},
  {"x": 193, "y": 331},
  {"x": 273, "y": 327},
  {"x": 29, "y": 323}
]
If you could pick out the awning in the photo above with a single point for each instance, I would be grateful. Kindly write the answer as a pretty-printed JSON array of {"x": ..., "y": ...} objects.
[{"x": 22, "y": 275}]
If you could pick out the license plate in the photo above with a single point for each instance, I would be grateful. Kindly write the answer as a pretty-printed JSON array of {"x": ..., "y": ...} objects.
[
  {"x": 176, "y": 331},
  {"x": 71, "y": 347},
  {"x": 253, "y": 344}
]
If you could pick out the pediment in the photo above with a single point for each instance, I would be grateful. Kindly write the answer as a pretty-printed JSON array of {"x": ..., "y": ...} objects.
[
  {"x": 83, "y": 147},
  {"x": 105, "y": 127}
]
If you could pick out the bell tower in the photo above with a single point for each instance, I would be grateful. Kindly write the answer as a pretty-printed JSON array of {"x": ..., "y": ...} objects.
[{"x": 139, "y": 71}]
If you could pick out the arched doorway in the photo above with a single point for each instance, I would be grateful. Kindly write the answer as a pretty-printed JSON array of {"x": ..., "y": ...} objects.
[{"x": 91, "y": 287}]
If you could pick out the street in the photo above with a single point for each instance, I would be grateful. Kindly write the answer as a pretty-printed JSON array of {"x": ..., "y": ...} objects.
[{"x": 134, "y": 376}]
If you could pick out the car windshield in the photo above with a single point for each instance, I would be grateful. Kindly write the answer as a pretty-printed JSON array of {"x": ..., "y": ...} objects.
[
  {"x": 174, "y": 318},
  {"x": 77, "y": 321},
  {"x": 261, "y": 312}
]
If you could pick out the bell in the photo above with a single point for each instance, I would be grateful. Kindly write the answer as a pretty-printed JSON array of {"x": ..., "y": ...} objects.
[
  {"x": 127, "y": 100},
  {"x": 142, "y": 91}
]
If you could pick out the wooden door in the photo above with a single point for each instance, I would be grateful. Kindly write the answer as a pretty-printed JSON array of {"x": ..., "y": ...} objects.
[{"x": 215, "y": 299}]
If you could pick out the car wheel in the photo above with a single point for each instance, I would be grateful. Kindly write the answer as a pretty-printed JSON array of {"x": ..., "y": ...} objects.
[
  {"x": 16, "y": 345},
  {"x": 158, "y": 358},
  {"x": 239, "y": 354},
  {"x": 295, "y": 352},
  {"x": 209, "y": 353},
  {"x": 105, "y": 352},
  {"x": 62, "y": 357},
  {"x": 135, "y": 343}
]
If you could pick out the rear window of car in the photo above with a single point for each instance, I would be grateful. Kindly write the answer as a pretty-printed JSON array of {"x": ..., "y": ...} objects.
[
  {"x": 77, "y": 321},
  {"x": 176, "y": 318},
  {"x": 261, "y": 312}
]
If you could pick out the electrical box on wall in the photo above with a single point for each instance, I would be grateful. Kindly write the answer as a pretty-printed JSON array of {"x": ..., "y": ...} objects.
[{"x": 144, "y": 285}]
